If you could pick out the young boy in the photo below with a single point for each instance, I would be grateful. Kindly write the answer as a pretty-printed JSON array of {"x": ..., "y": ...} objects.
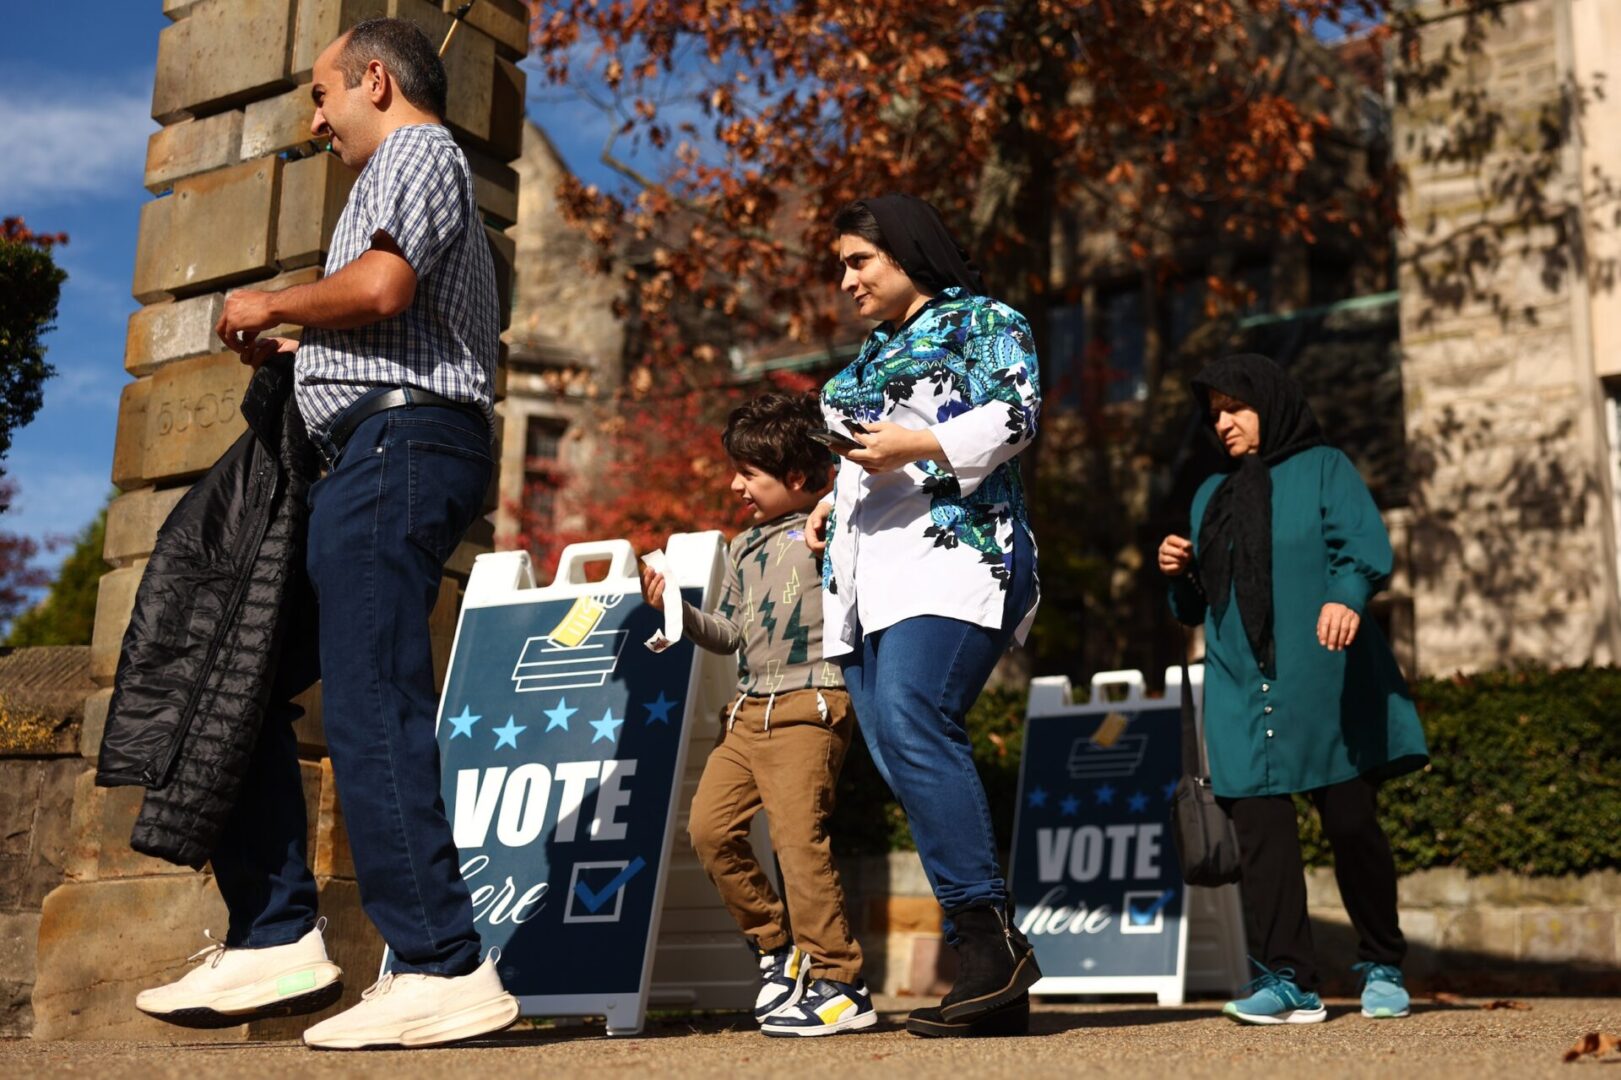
[{"x": 784, "y": 735}]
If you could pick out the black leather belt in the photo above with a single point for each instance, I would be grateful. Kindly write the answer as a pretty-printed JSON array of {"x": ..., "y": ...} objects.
[{"x": 370, "y": 406}]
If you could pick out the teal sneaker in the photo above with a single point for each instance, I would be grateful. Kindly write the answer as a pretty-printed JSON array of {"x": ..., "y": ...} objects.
[
  {"x": 1275, "y": 999},
  {"x": 1383, "y": 995}
]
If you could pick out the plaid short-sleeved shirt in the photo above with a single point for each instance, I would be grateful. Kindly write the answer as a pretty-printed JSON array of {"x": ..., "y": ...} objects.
[{"x": 418, "y": 189}]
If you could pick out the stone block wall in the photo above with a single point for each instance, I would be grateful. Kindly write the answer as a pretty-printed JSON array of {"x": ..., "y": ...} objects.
[
  {"x": 1492, "y": 934},
  {"x": 896, "y": 919},
  {"x": 42, "y": 694},
  {"x": 243, "y": 199},
  {"x": 1512, "y": 542}
]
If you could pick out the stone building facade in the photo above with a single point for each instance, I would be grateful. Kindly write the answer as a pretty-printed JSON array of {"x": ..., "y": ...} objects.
[
  {"x": 564, "y": 356},
  {"x": 1511, "y": 331}
]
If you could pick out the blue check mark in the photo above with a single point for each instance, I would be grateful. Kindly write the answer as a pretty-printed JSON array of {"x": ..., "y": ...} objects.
[
  {"x": 1141, "y": 916},
  {"x": 593, "y": 901}
]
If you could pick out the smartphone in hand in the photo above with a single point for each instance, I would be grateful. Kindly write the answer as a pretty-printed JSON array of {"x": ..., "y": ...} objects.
[
  {"x": 835, "y": 440},
  {"x": 838, "y": 440}
]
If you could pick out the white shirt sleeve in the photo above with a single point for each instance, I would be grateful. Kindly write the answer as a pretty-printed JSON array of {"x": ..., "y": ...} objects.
[{"x": 1001, "y": 419}]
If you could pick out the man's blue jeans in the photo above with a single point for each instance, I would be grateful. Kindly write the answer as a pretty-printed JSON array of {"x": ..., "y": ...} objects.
[
  {"x": 912, "y": 685},
  {"x": 382, "y": 523}
]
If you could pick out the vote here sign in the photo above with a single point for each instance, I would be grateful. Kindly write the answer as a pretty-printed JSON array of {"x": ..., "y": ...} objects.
[
  {"x": 561, "y": 738},
  {"x": 1095, "y": 880}
]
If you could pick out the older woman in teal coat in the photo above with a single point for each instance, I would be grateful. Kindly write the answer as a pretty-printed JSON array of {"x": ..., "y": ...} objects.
[{"x": 1302, "y": 694}]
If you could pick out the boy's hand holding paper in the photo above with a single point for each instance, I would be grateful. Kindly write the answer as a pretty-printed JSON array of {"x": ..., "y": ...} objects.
[{"x": 655, "y": 579}]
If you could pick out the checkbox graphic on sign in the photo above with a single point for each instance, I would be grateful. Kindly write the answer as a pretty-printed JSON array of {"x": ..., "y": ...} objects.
[
  {"x": 596, "y": 890},
  {"x": 1144, "y": 912}
]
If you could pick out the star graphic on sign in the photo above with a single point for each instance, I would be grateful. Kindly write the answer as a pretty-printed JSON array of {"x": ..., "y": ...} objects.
[
  {"x": 1138, "y": 803},
  {"x": 463, "y": 723},
  {"x": 559, "y": 716},
  {"x": 1105, "y": 795},
  {"x": 1170, "y": 791},
  {"x": 508, "y": 736},
  {"x": 607, "y": 727},
  {"x": 1070, "y": 806},
  {"x": 659, "y": 710},
  {"x": 1038, "y": 797}
]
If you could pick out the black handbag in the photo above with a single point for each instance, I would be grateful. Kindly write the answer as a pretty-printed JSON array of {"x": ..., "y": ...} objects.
[{"x": 1203, "y": 834}]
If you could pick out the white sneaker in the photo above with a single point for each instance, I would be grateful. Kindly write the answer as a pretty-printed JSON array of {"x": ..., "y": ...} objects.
[
  {"x": 234, "y": 986},
  {"x": 420, "y": 1010}
]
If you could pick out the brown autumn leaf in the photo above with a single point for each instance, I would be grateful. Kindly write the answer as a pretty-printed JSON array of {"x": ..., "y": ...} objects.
[
  {"x": 1442, "y": 997},
  {"x": 1506, "y": 1003},
  {"x": 1594, "y": 1044}
]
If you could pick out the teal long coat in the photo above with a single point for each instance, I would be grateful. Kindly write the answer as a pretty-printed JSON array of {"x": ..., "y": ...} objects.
[{"x": 1327, "y": 716}]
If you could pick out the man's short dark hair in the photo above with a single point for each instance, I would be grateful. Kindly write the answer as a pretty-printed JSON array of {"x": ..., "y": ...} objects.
[
  {"x": 772, "y": 433},
  {"x": 407, "y": 54}
]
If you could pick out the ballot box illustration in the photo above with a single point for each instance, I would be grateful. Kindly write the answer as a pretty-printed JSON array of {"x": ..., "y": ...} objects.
[
  {"x": 1095, "y": 879},
  {"x": 570, "y": 751}
]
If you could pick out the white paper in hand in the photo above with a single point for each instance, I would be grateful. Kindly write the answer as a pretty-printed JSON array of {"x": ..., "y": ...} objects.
[{"x": 671, "y": 633}]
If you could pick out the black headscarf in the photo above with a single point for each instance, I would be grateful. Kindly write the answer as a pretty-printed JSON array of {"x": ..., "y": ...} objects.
[
  {"x": 918, "y": 238},
  {"x": 1235, "y": 537}
]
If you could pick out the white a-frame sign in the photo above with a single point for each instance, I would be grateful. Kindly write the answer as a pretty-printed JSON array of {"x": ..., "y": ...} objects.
[{"x": 565, "y": 774}]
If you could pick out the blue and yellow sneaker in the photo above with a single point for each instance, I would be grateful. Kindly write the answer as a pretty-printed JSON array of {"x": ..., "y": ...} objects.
[
  {"x": 1275, "y": 999},
  {"x": 784, "y": 974},
  {"x": 827, "y": 1008},
  {"x": 1384, "y": 997}
]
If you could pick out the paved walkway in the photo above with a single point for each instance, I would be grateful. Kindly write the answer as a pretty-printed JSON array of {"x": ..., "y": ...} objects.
[{"x": 1455, "y": 1040}]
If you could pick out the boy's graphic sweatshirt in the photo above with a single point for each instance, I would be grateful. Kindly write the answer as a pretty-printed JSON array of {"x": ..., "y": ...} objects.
[{"x": 769, "y": 612}]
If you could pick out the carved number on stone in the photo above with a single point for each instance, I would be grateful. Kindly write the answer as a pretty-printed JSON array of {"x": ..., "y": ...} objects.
[{"x": 210, "y": 409}]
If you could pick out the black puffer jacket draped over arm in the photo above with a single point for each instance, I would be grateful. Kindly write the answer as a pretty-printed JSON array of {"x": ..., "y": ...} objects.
[{"x": 199, "y": 656}]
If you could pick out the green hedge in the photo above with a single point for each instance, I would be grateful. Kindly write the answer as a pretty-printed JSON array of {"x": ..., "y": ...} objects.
[{"x": 1524, "y": 776}]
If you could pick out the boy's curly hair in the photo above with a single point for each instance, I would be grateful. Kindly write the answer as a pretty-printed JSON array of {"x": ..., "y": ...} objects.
[{"x": 772, "y": 433}]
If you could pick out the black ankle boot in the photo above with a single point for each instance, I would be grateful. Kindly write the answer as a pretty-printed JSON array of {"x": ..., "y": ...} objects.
[
  {"x": 1010, "y": 1019},
  {"x": 997, "y": 964}
]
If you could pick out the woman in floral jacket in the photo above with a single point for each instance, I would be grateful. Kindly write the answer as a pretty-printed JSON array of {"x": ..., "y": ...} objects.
[{"x": 930, "y": 573}]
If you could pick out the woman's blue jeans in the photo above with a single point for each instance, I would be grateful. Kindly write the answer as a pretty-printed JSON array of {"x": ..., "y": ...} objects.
[{"x": 912, "y": 685}]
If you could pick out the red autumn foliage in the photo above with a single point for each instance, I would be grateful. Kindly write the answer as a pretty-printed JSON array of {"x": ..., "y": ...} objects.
[
  {"x": 18, "y": 575},
  {"x": 1161, "y": 123},
  {"x": 16, "y": 231}
]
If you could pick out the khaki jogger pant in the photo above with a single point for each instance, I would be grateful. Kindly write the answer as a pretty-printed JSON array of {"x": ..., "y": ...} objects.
[{"x": 782, "y": 754}]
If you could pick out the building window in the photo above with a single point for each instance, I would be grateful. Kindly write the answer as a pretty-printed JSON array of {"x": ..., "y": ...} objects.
[
  {"x": 542, "y": 477},
  {"x": 1119, "y": 344},
  {"x": 1612, "y": 426},
  {"x": 1066, "y": 348},
  {"x": 1184, "y": 310}
]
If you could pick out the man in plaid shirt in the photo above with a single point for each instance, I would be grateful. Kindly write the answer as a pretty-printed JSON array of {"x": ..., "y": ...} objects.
[{"x": 393, "y": 377}]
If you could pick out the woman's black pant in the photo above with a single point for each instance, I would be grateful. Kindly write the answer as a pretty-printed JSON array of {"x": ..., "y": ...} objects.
[{"x": 1274, "y": 885}]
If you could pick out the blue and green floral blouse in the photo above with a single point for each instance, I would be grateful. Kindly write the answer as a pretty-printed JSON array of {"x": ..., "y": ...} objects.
[{"x": 929, "y": 539}]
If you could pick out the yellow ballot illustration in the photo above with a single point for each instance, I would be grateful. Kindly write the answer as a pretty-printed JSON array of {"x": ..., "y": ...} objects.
[
  {"x": 582, "y": 618},
  {"x": 1109, "y": 730}
]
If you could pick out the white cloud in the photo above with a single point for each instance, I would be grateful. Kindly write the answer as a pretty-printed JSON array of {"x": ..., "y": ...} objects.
[
  {"x": 54, "y": 498},
  {"x": 77, "y": 143},
  {"x": 85, "y": 386}
]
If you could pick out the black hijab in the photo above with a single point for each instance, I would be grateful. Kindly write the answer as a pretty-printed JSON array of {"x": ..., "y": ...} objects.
[
  {"x": 1235, "y": 537},
  {"x": 917, "y": 237}
]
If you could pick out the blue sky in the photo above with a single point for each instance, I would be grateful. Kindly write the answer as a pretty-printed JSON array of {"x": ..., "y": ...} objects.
[{"x": 75, "y": 93}]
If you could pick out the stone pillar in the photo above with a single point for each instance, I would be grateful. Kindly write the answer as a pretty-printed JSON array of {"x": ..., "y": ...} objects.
[
  {"x": 234, "y": 209},
  {"x": 1512, "y": 533}
]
